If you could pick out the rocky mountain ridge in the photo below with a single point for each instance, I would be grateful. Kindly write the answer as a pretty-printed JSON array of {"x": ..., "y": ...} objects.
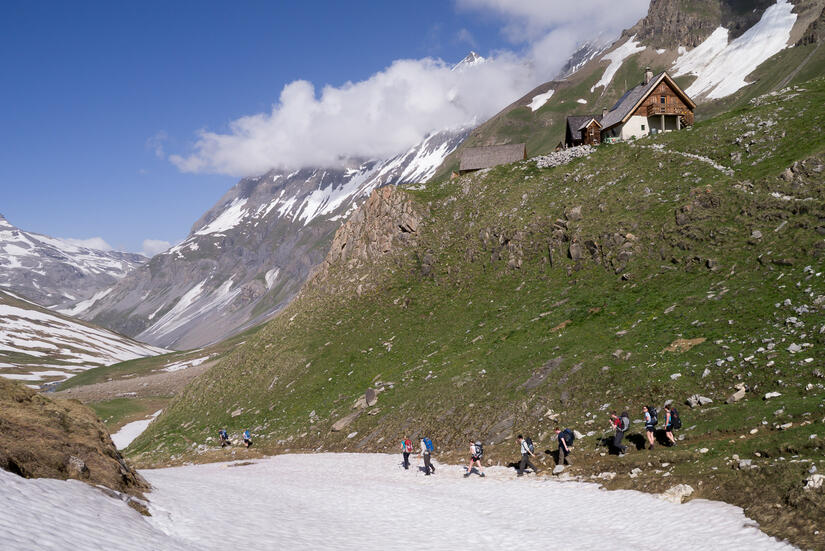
[
  {"x": 55, "y": 273},
  {"x": 249, "y": 255}
]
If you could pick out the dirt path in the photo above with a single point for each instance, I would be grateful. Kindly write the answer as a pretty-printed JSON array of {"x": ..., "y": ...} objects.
[{"x": 158, "y": 384}]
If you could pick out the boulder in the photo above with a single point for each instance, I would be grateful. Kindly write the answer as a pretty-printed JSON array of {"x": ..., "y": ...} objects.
[
  {"x": 736, "y": 396},
  {"x": 574, "y": 214},
  {"x": 698, "y": 400},
  {"x": 558, "y": 469},
  {"x": 677, "y": 493},
  {"x": 745, "y": 464},
  {"x": 770, "y": 395},
  {"x": 635, "y": 472},
  {"x": 607, "y": 475},
  {"x": 814, "y": 482},
  {"x": 371, "y": 397},
  {"x": 343, "y": 422}
]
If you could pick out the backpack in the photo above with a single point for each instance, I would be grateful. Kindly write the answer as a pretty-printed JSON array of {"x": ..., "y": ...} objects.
[
  {"x": 530, "y": 444},
  {"x": 674, "y": 419},
  {"x": 624, "y": 423},
  {"x": 429, "y": 445},
  {"x": 479, "y": 449},
  {"x": 568, "y": 436},
  {"x": 407, "y": 446},
  {"x": 654, "y": 415}
]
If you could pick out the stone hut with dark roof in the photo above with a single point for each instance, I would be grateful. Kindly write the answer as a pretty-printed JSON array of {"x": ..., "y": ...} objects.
[
  {"x": 477, "y": 158},
  {"x": 658, "y": 104}
]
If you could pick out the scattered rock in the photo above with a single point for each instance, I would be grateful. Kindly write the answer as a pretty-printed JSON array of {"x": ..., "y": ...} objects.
[
  {"x": 736, "y": 396},
  {"x": 745, "y": 464},
  {"x": 677, "y": 493},
  {"x": 704, "y": 450},
  {"x": 683, "y": 345},
  {"x": 607, "y": 475},
  {"x": 770, "y": 395},
  {"x": 794, "y": 348},
  {"x": 342, "y": 423},
  {"x": 371, "y": 397},
  {"x": 814, "y": 482},
  {"x": 237, "y": 412},
  {"x": 574, "y": 214},
  {"x": 558, "y": 469},
  {"x": 635, "y": 472},
  {"x": 675, "y": 376},
  {"x": 76, "y": 467},
  {"x": 697, "y": 400}
]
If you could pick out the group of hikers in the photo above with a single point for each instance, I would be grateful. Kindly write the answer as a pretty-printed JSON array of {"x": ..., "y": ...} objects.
[
  {"x": 224, "y": 436},
  {"x": 620, "y": 424}
]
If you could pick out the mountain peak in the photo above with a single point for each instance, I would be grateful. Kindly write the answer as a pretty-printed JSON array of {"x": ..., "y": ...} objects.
[{"x": 469, "y": 60}]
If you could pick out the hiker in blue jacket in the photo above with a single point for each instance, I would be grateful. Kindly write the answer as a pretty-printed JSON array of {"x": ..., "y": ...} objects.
[
  {"x": 247, "y": 438},
  {"x": 429, "y": 468},
  {"x": 224, "y": 438}
]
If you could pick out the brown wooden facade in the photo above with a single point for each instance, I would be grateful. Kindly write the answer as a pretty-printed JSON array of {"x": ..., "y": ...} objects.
[
  {"x": 664, "y": 100},
  {"x": 592, "y": 133}
]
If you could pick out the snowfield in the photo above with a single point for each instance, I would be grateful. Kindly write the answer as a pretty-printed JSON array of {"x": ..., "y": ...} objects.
[
  {"x": 722, "y": 67},
  {"x": 616, "y": 58},
  {"x": 359, "y": 501}
]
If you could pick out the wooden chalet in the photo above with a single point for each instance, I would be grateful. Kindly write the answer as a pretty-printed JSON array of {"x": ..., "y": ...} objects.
[
  {"x": 583, "y": 130},
  {"x": 477, "y": 158},
  {"x": 658, "y": 104}
]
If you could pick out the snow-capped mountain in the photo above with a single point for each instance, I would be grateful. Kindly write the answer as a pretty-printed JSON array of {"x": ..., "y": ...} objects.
[
  {"x": 469, "y": 60},
  {"x": 53, "y": 272},
  {"x": 38, "y": 345},
  {"x": 248, "y": 255},
  {"x": 584, "y": 53}
]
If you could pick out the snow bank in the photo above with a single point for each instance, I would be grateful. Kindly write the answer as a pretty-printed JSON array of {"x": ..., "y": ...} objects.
[
  {"x": 540, "y": 99},
  {"x": 616, "y": 58},
  {"x": 128, "y": 432},
  {"x": 359, "y": 502},
  {"x": 721, "y": 67}
]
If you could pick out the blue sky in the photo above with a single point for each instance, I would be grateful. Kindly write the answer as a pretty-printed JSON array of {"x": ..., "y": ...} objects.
[{"x": 97, "y": 95}]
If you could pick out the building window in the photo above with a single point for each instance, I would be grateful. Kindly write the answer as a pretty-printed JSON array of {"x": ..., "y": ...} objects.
[
  {"x": 662, "y": 99},
  {"x": 643, "y": 128}
]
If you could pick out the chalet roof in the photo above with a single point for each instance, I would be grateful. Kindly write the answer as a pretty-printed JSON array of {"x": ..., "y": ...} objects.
[
  {"x": 591, "y": 119},
  {"x": 474, "y": 158},
  {"x": 631, "y": 99},
  {"x": 577, "y": 123}
]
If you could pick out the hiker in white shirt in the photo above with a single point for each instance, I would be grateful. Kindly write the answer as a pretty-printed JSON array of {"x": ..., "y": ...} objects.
[
  {"x": 476, "y": 450},
  {"x": 525, "y": 456}
]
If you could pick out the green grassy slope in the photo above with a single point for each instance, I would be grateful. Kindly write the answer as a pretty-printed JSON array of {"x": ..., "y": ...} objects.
[{"x": 510, "y": 306}]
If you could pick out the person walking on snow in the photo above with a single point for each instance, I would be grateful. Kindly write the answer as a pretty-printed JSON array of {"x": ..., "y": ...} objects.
[
  {"x": 425, "y": 454},
  {"x": 526, "y": 452},
  {"x": 406, "y": 450},
  {"x": 650, "y": 425},
  {"x": 476, "y": 451},
  {"x": 564, "y": 448}
]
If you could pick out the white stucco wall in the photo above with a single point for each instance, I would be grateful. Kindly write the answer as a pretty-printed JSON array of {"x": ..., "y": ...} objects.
[{"x": 633, "y": 127}]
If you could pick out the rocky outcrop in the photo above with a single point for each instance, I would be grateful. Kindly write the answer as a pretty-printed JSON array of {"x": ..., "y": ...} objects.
[
  {"x": 387, "y": 221},
  {"x": 44, "y": 438}
]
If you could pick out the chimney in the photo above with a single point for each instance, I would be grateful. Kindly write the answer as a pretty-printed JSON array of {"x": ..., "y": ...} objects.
[
  {"x": 604, "y": 113},
  {"x": 648, "y": 75}
]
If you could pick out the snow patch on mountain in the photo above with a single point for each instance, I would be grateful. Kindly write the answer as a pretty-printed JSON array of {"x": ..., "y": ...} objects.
[
  {"x": 721, "y": 67},
  {"x": 39, "y": 345},
  {"x": 540, "y": 99},
  {"x": 228, "y": 219},
  {"x": 54, "y": 272},
  {"x": 616, "y": 58}
]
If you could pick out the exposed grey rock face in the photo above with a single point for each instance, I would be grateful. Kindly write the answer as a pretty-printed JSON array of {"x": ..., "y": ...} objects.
[
  {"x": 248, "y": 256},
  {"x": 55, "y": 273}
]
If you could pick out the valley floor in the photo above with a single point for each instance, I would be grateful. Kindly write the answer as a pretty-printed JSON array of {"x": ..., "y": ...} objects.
[{"x": 360, "y": 501}]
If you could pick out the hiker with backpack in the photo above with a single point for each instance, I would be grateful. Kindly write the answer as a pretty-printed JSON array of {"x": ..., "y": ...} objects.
[
  {"x": 247, "y": 438},
  {"x": 620, "y": 424},
  {"x": 406, "y": 450},
  {"x": 526, "y": 447},
  {"x": 476, "y": 451},
  {"x": 224, "y": 438},
  {"x": 426, "y": 449},
  {"x": 651, "y": 419},
  {"x": 672, "y": 421},
  {"x": 566, "y": 439}
]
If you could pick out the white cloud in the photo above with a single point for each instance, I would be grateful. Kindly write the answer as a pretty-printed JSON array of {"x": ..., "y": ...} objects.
[
  {"x": 466, "y": 37},
  {"x": 91, "y": 243},
  {"x": 398, "y": 106},
  {"x": 155, "y": 143},
  {"x": 151, "y": 247}
]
